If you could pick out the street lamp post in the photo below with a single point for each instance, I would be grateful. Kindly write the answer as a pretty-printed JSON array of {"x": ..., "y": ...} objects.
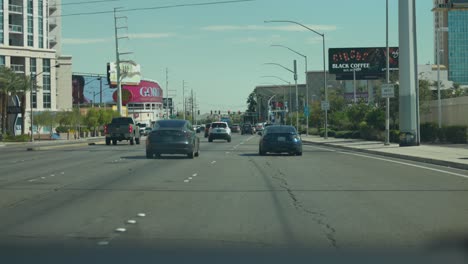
[
  {"x": 324, "y": 64},
  {"x": 307, "y": 83},
  {"x": 295, "y": 80}
]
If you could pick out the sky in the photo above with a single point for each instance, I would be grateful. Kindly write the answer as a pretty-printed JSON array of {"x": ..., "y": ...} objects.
[{"x": 220, "y": 51}]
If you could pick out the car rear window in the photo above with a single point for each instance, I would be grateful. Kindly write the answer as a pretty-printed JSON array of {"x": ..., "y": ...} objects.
[
  {"x": 280, "y": 129},
  {"x": 219, "y": 125},
  {"x": 169, "y": 123}
]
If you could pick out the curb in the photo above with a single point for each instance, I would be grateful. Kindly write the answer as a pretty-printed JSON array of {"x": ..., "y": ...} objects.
[{"x": 444, "y": 163}]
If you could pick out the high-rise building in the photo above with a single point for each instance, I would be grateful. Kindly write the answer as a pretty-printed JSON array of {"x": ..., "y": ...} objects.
[
  {"x": 440, "y": 34},
  {"x": 451, "y": 22},
  {"x": 30, "y": 34}
]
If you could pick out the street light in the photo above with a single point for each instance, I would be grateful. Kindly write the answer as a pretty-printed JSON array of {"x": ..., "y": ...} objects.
[
  {"x": 33, "y": 85},
  {"x": 306, "y": 79},
  {"x": 324, "y": 65},
  {"x": 295, "y": 81}
]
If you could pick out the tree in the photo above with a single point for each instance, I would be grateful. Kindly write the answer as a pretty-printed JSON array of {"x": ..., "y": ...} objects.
[
  {"x": 92, "y": 119},
  {"x": 24, "y": 84},
  {"x": 252, "y": 103},
  {"x": 42, "y": 119},
  {"x": 357, "y": 113},
  {"x": 8, "y": 85}
]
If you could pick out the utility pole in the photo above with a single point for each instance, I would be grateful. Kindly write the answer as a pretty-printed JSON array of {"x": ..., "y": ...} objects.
[
  {"x": 192, "y": 104},
  {"x": 387, "y": 106},
  {"x": 167, "y": 93},
  {"x": 183, "y": 98},
  {"x": 117, "y": 55},
  {"x": 354, "y": 85},
  {"x": 297, "y": 96}
]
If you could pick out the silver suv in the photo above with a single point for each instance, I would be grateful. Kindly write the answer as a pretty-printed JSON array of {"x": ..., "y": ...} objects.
[{"x": 219, "y": 130}]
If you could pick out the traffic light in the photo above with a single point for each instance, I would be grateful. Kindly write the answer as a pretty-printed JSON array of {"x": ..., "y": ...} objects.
[
  {"x": 211, "y": 112},
  {"x": 238, "y": 112},
  {"x": 198, "y": 112},
  {"x": 229, "y": 112},
  {"x": 219, "y": 112}
]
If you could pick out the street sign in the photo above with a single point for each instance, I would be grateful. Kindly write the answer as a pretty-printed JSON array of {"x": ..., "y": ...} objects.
[
  {"x": 325, "y": 105},
  {"x": 306, "y": 111},
  {"x": 388, "y": 91}
]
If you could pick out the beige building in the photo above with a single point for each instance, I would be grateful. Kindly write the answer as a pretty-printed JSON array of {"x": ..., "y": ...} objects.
[{"x": 30, "y": 34}]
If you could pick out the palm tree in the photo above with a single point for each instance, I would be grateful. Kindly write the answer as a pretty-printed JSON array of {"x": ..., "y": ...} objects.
[
  {"x": 8, "y": 84},
  {"x": 23, "y": 85}
]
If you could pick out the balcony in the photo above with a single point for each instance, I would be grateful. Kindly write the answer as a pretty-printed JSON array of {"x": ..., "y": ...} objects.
[
  {"x": 15, "y": 9},
  {"x": 52, "y": 23},
  {"x": 52, "y": 6},
  {"x": 16, "y": 29},
  {"x": 18, "y": 68}
]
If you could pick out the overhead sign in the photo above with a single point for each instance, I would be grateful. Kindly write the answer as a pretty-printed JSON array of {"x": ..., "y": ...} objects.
[
  {"x": 388, "y": 91},
  {"x": 130, "y": 73},
  {"x": 367, "y": 63}
]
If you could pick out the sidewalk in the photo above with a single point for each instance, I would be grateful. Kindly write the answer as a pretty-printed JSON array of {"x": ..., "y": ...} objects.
[{"x": 455, "y": 156}]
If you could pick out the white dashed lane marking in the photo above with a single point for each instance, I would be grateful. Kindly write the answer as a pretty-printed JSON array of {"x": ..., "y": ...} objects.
[
  {"x": 120, "y": 229},
  {"x": 194, "y": 175}
]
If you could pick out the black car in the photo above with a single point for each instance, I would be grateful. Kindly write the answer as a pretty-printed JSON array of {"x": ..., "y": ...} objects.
[
  {"x": 247, "y": 129},
  {"x": 280, "y": 139},
  {"x": 172, "y": 137}
]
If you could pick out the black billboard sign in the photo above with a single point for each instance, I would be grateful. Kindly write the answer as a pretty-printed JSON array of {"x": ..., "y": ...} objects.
[{"x": 368, "y": 63}]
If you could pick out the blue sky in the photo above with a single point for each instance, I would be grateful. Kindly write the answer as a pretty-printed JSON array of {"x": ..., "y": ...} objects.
[{"x": 220, "y": 50}]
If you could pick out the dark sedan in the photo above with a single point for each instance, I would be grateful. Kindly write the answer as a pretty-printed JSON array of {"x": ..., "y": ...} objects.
[
  {"x": 280, "y": 139},
  {"x": 235, "y": 128},
  {"x": 172, "y": 137}
]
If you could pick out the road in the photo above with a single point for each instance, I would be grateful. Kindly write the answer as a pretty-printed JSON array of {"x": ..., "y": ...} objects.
[{"x": 229, "y": 197}]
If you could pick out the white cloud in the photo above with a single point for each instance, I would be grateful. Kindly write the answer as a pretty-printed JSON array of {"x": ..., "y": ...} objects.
[
  {"x": 290, "y": 28},
  {"x": 315, "y": 40},
  {"x": 150, "y": 35},
  {"x": 83, "y": 41}
]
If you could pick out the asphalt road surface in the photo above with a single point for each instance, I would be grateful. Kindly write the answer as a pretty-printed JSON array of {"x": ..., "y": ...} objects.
[{"x": 112, "y": 196}]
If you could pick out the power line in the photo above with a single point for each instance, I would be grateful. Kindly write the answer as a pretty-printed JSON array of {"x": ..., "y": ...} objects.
[
  {"x": 88, "y": 2},
  {"x": 157, "y": 7}
]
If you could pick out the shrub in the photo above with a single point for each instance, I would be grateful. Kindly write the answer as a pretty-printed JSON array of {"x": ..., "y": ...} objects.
[
  {"x": 19, "y": 138},
  {"x": 455, "y": 134},
  {"x": 429, "y": 132},
  {"x": 331, "y": 133},
  {"x": 356, "y": 134},
  {"x": 395, "y": 136}
]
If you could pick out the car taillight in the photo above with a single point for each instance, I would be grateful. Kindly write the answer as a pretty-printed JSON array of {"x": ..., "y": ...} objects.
[
  {"x": 130, "y": 129},
  {"x": 105, "y": 129}
]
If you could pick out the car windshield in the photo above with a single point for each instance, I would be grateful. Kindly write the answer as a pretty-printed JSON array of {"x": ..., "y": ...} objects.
[{"x": 233, "y": 126}]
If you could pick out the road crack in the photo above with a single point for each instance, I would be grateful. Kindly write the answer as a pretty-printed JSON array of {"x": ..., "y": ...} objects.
[{"x": 318, "y": 217}]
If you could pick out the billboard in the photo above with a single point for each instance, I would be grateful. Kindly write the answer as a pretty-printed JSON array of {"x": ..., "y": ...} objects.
[
  {"x": 87, "y": 89},
  {"x": 145, "y": 92},
  {"x": 367, "y": 63},
  {"x": 129, "y": 70}
]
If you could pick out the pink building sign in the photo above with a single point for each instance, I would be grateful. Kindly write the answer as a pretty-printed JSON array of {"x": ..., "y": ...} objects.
[{"x": 145, "y": 92}]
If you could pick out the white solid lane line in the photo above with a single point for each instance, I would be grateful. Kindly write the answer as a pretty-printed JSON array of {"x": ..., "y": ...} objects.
[{"x": 407, "y": 164}]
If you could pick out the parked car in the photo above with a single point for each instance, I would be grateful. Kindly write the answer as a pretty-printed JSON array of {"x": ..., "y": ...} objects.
[
  {"x": 219, "y": 130},
  {"x": 122, "y": 128},
  {"x": 235, "y": 128},
  {"x": 280, "y": 139},
  {"x": 172, "y": 137},
  {"x": 247, "y": 129},
  {"x": 207, "y": 130}
]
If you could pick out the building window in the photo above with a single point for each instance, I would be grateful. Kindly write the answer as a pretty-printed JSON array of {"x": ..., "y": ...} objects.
[
  {"x": 46, "y": 103},
  {"x": 30, "y": 7},
  {"x": 46, "y": 65},
  {"x": 33, "y": 65},
  {"x": 1, "y": 23},
  {"x": 46, "y": 83},
  {"x": 2, "y": 61},
  {"x": 34, "y": 100}
]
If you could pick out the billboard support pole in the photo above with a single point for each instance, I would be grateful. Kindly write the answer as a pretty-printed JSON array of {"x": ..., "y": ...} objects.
[
  {"x": 354, "y": 85},
  {"x": 387, "y": 105}
]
